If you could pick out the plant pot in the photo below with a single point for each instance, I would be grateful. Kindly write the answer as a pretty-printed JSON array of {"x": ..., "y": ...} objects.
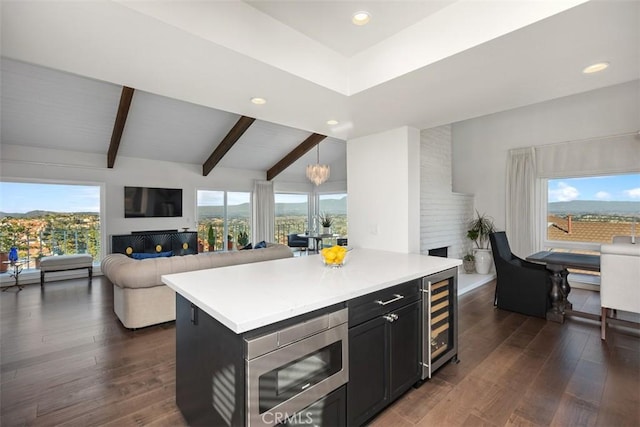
[
  {"x": 4, "y": 257},
  {"x": 469, "y": 266},
  {"x": 483, "y": 260},
  {"x": 326, "y": 230}
]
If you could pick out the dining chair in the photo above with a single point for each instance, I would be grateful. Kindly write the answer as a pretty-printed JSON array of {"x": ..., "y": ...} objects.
[
  {"x": 619, "y": 280},
  {"x": 521, "y": 286}
]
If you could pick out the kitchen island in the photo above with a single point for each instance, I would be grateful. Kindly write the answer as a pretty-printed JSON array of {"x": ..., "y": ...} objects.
[{"x": 225, "y": 314}]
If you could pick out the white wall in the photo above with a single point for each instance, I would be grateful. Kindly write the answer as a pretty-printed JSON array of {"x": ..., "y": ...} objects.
[
  {"x": 384, "y": 190},
  {"x": 480, "y": 145},
  {"x": 26, "y": 163},
  {"x": 443, "y": 215}
]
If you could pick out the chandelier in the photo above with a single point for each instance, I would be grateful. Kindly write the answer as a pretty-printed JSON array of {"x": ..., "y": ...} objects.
[{"x": 318, "y": 173}]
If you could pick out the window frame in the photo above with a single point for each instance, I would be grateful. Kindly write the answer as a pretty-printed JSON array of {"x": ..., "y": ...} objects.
[
  {"x": 325, "y": 193},
  {"x": 225, "y": 199},
  {"x": 543, "y": 186},
  {"x": 310, "y": 208},
  {"x": 104, "y": 244}
]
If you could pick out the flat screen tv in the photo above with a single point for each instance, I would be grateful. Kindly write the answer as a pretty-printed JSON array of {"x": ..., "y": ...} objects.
[{"x": 146, "y": 202}]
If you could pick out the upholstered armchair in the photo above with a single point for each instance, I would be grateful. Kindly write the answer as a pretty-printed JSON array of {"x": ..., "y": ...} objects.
[
  {"x": 295, "y": 241},
  {"x": 619, "y": 279},
  {"x": 521, "y": 286}
]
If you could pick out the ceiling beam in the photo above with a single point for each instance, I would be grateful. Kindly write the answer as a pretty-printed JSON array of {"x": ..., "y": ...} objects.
[
  {"x": 225, "y": 145},
  {"x": 118, "y": 126},
  {"x": 299, "y": 151}
]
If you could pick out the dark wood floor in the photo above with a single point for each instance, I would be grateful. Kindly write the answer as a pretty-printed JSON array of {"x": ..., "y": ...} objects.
[{"x": 66, "y": 360}]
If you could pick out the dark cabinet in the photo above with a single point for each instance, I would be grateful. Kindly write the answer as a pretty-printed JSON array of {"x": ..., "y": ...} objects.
[
  {"x": 384, "y": 349},
  {"x": 404, "y": 349},
  {"x": 178, "y": 242},
  {"x": 368, "y": 370},
  {"x": 329, "y": 411},
  {"x": 209, "y": 369}
]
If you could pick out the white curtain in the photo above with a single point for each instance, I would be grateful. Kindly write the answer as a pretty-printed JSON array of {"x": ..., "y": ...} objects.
[
  {"x": 522, "y": 217},
  {"x": 264, "y": 207}
]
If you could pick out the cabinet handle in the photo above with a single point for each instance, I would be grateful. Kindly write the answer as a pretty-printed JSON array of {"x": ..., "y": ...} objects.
[
  {"x": 194, "y": 314},
  {"x": 389, "y": 318},
  {"x": 398, "y": 297}
]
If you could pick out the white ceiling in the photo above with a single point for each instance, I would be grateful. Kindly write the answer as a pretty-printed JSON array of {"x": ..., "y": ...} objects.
[
  {"x": 329, "y": 22},
  {"x": 196, "y": 64}
]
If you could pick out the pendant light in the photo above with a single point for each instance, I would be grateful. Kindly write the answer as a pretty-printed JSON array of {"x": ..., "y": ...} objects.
[{"x": 318, "y": 173}]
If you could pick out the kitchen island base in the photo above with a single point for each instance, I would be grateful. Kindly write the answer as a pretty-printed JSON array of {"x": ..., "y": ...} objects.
[
  {"x": 293, "y": 372},
  {"x": 257, "y": 345}
]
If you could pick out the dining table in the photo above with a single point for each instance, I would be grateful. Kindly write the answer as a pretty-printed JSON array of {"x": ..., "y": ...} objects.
[
  {"x": 558, "y": 264},
  {"x": 317, "y": 237}
]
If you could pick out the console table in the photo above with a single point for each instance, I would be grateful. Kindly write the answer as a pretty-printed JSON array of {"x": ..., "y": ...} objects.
[
  {"x": 557, "y": 263},
  {"x": 178, "y": 242}
]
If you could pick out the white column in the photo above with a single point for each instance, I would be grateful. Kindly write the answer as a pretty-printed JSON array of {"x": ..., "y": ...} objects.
[{"x": 384, "y": 190}]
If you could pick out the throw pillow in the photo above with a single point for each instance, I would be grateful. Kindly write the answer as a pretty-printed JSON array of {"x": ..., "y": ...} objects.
[
  {"x": 144, "y": 255},
  {"x": 247, "y": 246},
  {"x": 260, "y": 245}
]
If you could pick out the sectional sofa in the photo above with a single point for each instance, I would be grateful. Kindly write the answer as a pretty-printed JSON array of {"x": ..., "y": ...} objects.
[{"x": 140, "y": 297}]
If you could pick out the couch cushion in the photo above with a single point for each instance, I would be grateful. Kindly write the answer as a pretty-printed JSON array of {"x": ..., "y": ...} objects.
[
  {"x": 65, "y": 262},
  {"x": 145, "y": 255},
  {"x": 127, "y": 272}
]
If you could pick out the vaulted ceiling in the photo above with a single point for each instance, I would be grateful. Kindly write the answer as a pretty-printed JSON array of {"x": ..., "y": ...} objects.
[{"x": 194, "y": 65}]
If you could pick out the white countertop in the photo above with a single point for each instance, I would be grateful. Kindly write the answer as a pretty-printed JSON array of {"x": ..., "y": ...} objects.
[{"x": 248, "y": 296}]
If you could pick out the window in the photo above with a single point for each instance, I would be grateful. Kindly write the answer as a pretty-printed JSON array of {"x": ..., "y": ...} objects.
[
  {"x": 43, "y": 219},
  {"x": 292, "y": 215},
  {"x": 222, "y": 216},
  {"x": 336, "y": 206},
  {"x": 581, "y": 213}
]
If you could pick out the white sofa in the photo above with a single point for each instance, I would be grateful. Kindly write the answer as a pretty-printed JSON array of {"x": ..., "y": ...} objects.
[
  {"x": 619, "y": 279},
  {"x": 141, "y": 299}
]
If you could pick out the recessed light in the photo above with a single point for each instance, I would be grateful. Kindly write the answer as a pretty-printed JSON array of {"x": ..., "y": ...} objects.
[
  {"x": 361, "y": 18},
  {"x": 258, "y": 101},
  {"x": 594, "y": 68},
  {"x": 332, "y": 122}
]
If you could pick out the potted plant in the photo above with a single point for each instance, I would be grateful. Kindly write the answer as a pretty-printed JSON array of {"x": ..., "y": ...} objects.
[
  {"x": 229, "y": 242},
  {"x": 243, "y": 239},
  {"x": 326, "y": 220},
  {"x": 38, "y": 258},
  {"x": 468, "y": 262},
  {"x": 479, "y": 229},
  {"x": 4, "y": 260},
  {"x": 211, "y": 238},
  {"x": 6, "y": 241}
]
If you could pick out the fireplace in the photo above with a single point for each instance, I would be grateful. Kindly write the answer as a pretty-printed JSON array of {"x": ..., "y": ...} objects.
[{"x": 441, "y": 252}]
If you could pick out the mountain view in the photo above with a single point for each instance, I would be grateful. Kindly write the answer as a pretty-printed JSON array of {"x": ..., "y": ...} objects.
[
  {"x": 335, "y": 206},
  {"x": 578, "y": 207}
]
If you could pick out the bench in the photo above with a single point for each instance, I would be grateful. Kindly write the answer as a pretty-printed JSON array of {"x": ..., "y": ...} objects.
[{"x": 50, "y": 264}]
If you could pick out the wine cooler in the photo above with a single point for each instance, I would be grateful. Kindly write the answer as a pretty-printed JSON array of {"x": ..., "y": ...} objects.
[{"x": 440, "y": 320}]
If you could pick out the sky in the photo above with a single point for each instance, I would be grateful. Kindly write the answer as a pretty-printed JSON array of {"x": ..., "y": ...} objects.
[
  {"x": 216, "y": 198},
  {"x": 24, "y": 197},
  {"x": 607, "y": 188},
  {"x": 16, "y": 197}
]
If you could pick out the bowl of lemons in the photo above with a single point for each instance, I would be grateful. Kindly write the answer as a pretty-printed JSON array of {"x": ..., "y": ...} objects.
[{"x": 334, "y": 256}]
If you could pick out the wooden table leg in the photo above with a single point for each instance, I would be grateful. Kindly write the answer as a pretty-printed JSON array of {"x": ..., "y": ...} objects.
[
  {"x": 565, "y": 288},
  {"x": 556, "y": 313}
]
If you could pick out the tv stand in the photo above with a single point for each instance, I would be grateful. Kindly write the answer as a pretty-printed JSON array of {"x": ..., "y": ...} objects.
[{"x": 178, "y": 242}]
